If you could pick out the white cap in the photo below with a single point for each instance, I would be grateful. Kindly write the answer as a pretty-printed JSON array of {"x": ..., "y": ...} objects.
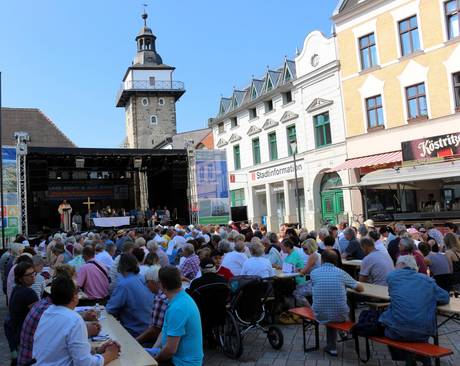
[{"x": 230, "y": 222}]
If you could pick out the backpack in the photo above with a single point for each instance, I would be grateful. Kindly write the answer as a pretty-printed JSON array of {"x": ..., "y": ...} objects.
[{"x": 368, "y": 325}]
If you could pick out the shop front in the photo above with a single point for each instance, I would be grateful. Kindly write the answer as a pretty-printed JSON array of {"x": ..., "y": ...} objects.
[
  {"x": 275, "y": 196},
  {"x": 424, "y": 185}
]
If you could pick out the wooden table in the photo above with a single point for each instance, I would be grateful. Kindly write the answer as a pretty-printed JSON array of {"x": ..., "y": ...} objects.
[
  {"x": 280, "y": 274},
  {"x": 352, "y": 262},
  {"x": 81, "y": 294},
  {"x": 375, "y": 291},
  {"x": 132, "y": 353}
]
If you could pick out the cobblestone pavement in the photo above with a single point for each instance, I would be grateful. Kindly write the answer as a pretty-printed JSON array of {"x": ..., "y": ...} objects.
[{"x": 257, "y": 350}]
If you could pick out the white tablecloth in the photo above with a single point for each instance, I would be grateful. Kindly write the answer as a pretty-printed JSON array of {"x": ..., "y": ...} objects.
[{"x": 111, "y": 221}]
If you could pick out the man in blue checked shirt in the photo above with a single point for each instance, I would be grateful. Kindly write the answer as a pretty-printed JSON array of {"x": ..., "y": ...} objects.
[{"x": 330, "y": 295}]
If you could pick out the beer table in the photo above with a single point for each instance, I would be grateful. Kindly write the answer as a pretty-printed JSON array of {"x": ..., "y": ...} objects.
[
  {"x": 352, "y": 262},
  {"x": 132, "y": 353},
  {"x": 280, "y": 274}
]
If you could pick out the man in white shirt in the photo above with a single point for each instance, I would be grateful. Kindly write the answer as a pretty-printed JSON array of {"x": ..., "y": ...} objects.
[
  {"x": 233, "y": 260},
  {"x": 61, "y": 338},
  {"x": 103, "y": 254},
  {"x": 257, "y": 265}
]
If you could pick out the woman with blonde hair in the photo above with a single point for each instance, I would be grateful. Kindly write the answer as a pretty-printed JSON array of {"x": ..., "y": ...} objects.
[{"x": 310, "y": 248}]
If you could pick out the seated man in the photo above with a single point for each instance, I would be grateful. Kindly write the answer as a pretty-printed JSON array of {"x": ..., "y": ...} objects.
[
  {"x": 330, "y": 295},
  {"x": 93, "y": 277},
  {"x": 257, "y": 265},
  {"x": 160, "y": 304},
  {"x": 414, "y": 297},
  {"x": 376, "y": 265},
  {"x": 61, "y": 337},
  {"x": 353, "y": 250},
  {"x": 31, "y": 322},
  {"x": 191, "y": 265},
  {"x": 131, "y": 301},
  {"x": 180, "y": 339}
]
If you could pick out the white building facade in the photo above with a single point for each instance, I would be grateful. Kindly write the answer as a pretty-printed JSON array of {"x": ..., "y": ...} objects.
[{"x": 299, "y": 102}]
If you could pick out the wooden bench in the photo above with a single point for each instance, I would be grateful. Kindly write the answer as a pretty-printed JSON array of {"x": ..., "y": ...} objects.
[
  {"x": 309, "y": 321},
  {"x": 413, "y": 348}
]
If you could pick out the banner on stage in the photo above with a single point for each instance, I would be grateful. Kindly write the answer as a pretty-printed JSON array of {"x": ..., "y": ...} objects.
[
  {"x": 212, "y": 187},
  {"x": 111, "y": 221},
  {"x": 10, "y": 192}
]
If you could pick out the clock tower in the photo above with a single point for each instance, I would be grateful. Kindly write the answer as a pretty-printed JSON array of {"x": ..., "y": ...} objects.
[{"x": 149, "y": 95}]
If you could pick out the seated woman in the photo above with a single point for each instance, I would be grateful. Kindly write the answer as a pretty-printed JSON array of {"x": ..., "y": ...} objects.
[
  {"x": 295, "y": 261},
  {"x": 131, "y": 300},
  {"x": 310, "y": 248},
  {"x": 273, "y": 250},
  {"x": 438, "y": 265},
  {"x": 257, "y": 265}
]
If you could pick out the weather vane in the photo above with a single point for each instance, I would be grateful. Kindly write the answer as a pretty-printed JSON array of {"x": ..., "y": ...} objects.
[{"x": 144, "y": 16}]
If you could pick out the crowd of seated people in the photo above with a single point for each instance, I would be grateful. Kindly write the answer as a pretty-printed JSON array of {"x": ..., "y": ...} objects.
[{"x": 138, "y": 274}]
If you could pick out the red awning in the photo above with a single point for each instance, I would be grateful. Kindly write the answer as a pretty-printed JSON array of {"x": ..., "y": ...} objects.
[{"x": 386, "y": 158}]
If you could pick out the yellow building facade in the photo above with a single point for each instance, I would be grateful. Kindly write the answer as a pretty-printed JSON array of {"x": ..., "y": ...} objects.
[{"x": 400, "y": 76}]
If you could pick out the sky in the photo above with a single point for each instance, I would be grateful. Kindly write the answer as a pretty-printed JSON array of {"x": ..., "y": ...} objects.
[{"x": 68, "y": 57}]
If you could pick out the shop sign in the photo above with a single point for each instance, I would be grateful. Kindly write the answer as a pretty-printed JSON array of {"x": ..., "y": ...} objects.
[
  {"x": 281, "y": 171},
  {"x": 436, "y": 148}
]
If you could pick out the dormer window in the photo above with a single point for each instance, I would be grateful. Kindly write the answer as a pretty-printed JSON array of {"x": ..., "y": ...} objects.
[{"x": 268, "y": 106}]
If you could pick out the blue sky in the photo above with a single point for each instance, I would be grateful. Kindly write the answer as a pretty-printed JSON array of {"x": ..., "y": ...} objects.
[{"x": 68, "y": 57}]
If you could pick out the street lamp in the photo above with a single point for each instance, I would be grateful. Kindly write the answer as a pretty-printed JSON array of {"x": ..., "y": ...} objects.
[{"x": 294, "y": 152}]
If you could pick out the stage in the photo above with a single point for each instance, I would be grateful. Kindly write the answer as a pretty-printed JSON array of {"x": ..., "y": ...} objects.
[{"x": 119, "y": 178}]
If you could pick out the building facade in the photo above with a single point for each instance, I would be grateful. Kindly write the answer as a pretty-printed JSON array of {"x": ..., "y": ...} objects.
[
  {"x": 294, "y": 108},
  {"x": 149, "y": 95},
  {"x": 400, "y": 73}
]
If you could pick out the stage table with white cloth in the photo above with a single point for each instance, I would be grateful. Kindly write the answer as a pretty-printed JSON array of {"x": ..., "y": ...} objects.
[{"x": 116, "y": 221}]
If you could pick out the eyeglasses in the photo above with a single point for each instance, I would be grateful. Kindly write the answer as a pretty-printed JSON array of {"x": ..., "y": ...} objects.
[{"x": 30, "y": 274}]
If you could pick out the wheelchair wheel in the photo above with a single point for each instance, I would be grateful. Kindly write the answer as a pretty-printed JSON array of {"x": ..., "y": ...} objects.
[
  {"x": 232, "y": 344},
  {"x": 275, "y": 337}
]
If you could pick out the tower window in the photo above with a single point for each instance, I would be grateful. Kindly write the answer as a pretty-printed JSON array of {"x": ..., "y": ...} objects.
[
  {"x": 153, "y": 120},
  {"x": 161, "y": 101},
  {"x": 152, "y": 80},
  {"x": 145, "y": 102}
]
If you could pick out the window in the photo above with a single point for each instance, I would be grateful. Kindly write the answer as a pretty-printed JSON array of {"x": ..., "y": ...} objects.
[
  {"x": 237, "y": 198},
  {"x": 152, "y": 80},
  {"x": 153, "y": 120},
  {"x": 161, "y": 101},
  {"x": 368, "y": 51},
  {"x": 268, "y": 106},
  {"x": 408, "y": 36},
  {"x": 252, "y": 113},
  {"x": 287, "y": 97},
  {"x": 457, "y": 90},
  {"x": 236, "y": 157},
  {"x": 374, "y": 111},
  {"x": 291, "y": 137},
  {"x": 322, "y": 129},
  {"x": 452, "y": 9},
  {"x": 145, "y": 102},
  {"x": 233, "y": 122},
  {"x": 416, "y": 101},
  {"x": 272, "y": 146},
  {"x": 220, "y": 127},
  {"x": 253, "y": 93},
  {"x": 256, "y": 151}
]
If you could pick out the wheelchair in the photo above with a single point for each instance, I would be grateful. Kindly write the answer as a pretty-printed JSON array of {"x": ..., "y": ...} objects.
[{"x": 226, "y": 323}]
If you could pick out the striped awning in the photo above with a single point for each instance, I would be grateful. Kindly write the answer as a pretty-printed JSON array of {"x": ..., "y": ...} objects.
[{"x": 373, "y": 160}]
